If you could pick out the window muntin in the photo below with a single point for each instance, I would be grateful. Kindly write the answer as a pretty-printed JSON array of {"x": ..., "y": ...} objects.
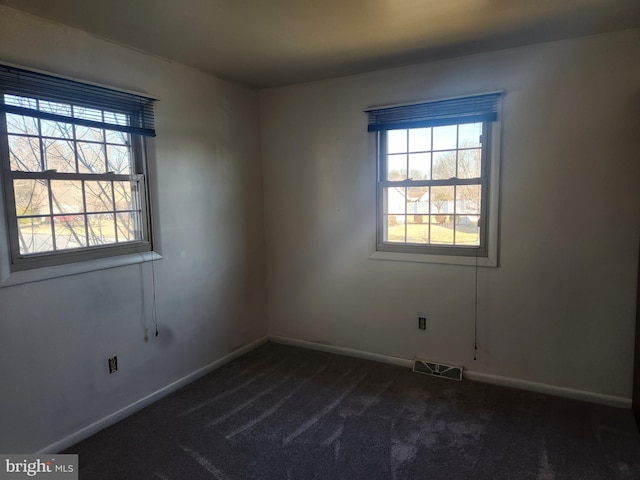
[
  {"x": 73, "y": 191},
  {"x": 433, "y": 189}
]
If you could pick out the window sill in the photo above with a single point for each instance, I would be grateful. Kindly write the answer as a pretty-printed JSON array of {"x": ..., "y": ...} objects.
[
  {"x": 8, "y": 279},
  {"x": 490, "y": 261}
]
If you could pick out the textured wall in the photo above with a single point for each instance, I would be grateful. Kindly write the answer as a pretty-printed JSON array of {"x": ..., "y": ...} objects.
[
  {"x": 559, "y": 310},
  {"x": 56, "y": 335}
]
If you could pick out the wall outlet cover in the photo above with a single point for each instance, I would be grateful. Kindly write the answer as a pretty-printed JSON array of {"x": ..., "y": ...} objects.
[{"x": 113, "y": 364}]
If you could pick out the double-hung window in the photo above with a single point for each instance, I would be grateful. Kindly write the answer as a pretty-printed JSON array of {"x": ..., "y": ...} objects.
[
  {"x": 73, "y": 170},
  {"x": 434, "y": 185}
]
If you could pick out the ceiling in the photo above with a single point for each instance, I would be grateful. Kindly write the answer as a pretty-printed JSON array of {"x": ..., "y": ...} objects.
[{"x": 266, "y": 43}]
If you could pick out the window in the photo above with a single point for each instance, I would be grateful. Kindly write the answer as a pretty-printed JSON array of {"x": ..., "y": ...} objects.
[
  {"x": 434, "y": 185},
  {"x": 73, "y": 170}
]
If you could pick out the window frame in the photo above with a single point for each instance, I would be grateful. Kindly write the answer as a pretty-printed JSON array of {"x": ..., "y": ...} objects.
[
  {"x": 36, "y": 266},
  {"x": 486, "y": 254},
  {"x": 432, "y": 248}
]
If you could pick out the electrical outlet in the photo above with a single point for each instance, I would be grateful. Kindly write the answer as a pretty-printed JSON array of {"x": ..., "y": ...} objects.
[
  {"x": 422, "y": 323},
  {"x": 113, "y": 364}
]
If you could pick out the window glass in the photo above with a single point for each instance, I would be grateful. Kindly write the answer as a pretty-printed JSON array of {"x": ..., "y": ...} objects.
[{"x": 440, "y": 200}]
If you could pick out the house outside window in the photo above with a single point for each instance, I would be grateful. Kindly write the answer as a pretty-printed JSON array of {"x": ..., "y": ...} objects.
[
  {"x": 74, "y": 173},
  {"x": 436, "y": 192}
]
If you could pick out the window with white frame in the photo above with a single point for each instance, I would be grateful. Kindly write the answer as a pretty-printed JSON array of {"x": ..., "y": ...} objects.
[
  {"x": 73, "y": 169},
  {"x": 434, "y": 183}
]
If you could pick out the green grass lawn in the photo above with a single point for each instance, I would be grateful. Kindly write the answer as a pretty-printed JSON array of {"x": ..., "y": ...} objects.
[{"x": 419, "y": 233}]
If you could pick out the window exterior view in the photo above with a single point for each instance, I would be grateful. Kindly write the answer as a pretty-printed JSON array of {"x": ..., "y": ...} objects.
[
  {"x": 74, "y": 177},
  {"x": 433, "y": 185}
]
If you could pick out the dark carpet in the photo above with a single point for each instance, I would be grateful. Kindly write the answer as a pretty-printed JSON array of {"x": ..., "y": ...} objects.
[{"x": 281, "y": 412}]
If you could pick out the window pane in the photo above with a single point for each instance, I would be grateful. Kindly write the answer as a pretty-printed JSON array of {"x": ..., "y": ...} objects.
[
  {"x": 113, "y": 136},
  {"x": 60, "y": 155},
  {"x": 468, "y": 198},
  {"x": 24, "y": 154},
  {"x": 102, "y": 230},
  {"x": 89, "y": 134},
  {"x": 70, "y": 231},
  {"x": 119, "y": 159},
  {"x": 396, "y": 167},
  {"x": 396, "y": 141},
  {"x": 123, "y": 198},
  {"x": 420, "y": 166},
  {"x": 419, "y": 139},
  {"x": 418, "y": 200},
  {"x": 444, "y": 165},
  {"x": 441, "y": 200},
  {"x": 22, "y": 124},
  {"x": 128, "y": 227},
  {"x": 418, "y": 228},
  {"x": 394, "y": 200},
  {"x": 467, "y": 230},
  {"x": 469, "y": 135},
  {"x": 442, "y": 229},
  {"x": 31, "y": 197},
  {"x": 34, "y": 235},
  {"x": 469, "y": 163},
  {"x": 98, "y": 196},
  {"x": 67, "y": 196},
  {"x": 394, "y": 228},
  {"x": 91, "y": 158},
  {"x": 445, "y": 138},
  {"x": 56, "y": 129}
]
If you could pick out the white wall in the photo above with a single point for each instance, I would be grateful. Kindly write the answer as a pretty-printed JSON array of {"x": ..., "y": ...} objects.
[
  {"x": 56, "y": 335},
  {"x": 559, "y": 310}
]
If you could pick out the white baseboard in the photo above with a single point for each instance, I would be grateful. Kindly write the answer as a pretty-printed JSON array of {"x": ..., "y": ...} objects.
[
  {"x": 610, "y": 400},
  {"x": 115, "y": 417},
  {"x": 349, "y": 352}
]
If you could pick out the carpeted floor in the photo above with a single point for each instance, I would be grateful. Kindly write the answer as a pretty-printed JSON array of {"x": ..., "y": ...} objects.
[{"x": 282, "y": 412}]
